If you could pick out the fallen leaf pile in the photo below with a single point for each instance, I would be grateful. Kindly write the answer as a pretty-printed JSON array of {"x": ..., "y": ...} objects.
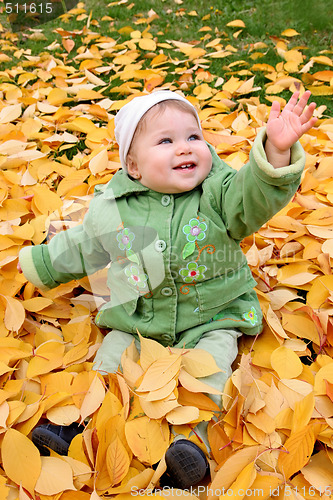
[{"x": 275, "y": 432}]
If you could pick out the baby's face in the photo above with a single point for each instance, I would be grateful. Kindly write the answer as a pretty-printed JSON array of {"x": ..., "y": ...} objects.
[{"x": 170, "y": 154}]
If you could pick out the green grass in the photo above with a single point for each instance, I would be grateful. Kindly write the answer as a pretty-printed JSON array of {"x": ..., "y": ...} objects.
[{"x": 182, "y": 20}]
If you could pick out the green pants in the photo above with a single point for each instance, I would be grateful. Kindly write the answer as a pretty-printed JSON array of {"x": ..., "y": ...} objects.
[{"x": 221, "y": 344}]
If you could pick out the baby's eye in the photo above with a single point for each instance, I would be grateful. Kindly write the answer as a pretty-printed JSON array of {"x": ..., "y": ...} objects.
[
  {"x": 166, "y": 140},
  {"x": 193, "y": 137}
]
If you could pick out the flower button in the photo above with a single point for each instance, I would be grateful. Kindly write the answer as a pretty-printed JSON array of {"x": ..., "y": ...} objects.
[
  {"x": 192, "y": 272},
  {"x": 136, "y": 277},
  {"x": 251, "y": 316},
  {"x": 125, "y": 238},
  {"x": 195, "y": 230}
]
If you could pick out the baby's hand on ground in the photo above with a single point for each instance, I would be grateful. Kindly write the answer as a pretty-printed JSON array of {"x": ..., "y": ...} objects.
[{"x": 285, "y": 128}]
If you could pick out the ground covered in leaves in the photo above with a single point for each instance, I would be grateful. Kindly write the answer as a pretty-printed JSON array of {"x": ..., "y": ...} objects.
[{"x": 274, "y": 437}]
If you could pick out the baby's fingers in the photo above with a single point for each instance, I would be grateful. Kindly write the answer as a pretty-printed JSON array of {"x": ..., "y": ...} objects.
[
  {"x": 300, "y": 106},
  {"x": 290, "y": 106},
  {"x": 309, "y": 124},
  {"x": 275, "y": 110},
  {"x": 307, "y": 114}
]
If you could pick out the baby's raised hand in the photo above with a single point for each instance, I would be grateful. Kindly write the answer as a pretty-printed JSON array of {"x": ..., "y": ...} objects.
[{"x": 285, "y": 128}]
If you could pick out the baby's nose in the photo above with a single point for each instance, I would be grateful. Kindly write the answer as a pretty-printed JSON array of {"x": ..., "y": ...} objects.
[{"x": 183, "y": 147}]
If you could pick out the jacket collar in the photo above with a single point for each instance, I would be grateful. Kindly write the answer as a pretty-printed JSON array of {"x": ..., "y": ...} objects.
[{"x": 121, "y": 184}]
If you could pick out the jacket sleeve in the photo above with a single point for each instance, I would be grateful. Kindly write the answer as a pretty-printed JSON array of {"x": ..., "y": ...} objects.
[
  {"x": 248, "y": 198},
  {"x": 70, "y": 254}
]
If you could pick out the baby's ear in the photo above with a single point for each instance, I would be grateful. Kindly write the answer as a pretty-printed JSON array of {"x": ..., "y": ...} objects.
[{"x": 132, "y": 167}]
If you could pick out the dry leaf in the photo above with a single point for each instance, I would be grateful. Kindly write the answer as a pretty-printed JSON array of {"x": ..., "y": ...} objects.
[
  {"x": 21, "y": 459},
  {"x": 56, "y": 476}
]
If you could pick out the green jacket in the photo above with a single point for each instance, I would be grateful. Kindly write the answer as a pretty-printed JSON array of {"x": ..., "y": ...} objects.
[{"x": 176, "y": 268}]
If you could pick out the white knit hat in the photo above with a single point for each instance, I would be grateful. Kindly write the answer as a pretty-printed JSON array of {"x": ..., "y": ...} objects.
[{"x": 129, "y": 116}]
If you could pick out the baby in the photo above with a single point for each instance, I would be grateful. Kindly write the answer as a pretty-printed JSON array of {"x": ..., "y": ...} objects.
[{"x": 168, "y": 225}]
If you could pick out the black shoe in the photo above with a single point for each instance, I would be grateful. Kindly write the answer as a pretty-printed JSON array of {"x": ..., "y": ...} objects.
[
  {"x": 56, "y": 437},
  {"x": 186, "y": 465}
]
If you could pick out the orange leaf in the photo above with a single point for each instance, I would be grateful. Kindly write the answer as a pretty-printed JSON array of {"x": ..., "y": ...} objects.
[
  {"x": 21, "y": 460},
  {"x": 296, "y": 451},
  {"x": 148, "y": 439},
  {"x": 117, "y": 461},
  {"x": 68, "y": 43}
]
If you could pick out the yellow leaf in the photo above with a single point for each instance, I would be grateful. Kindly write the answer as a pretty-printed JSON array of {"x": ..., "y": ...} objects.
[
  {"x": 72, "y": 180},
  {"x": 135, "y": 484},
  {"x": 322, "y": 60},
  {"x": 193, "y": 385},
  {"x": 12, "y": 146},
  {"x": 158, "y": 409},
  {"x": 81, "y": 124},
  {"x": 81, "y": 474},
  {"x": 4, "y": 489},
  {"x": 301, "y": 325},
  {"x": 237, "y": 23},
  {"x": 99, "y": 162},
  {"x": 150, "y": 351},
  {"x": 14, "y": 315},
  {"x": 303, "y": 411},
  {"x": 243, "y": 482},
  {"x": 266, "y": 484},
  {"x": 262, "y": 421},
  {"x": 4, "y": 413},
  {"x": 148, "y": 439},
  {"x": 325, "y": 373},
  {"x": 161, "y": 393},
  {"x": 45, "y": 200},
  {"x": 320, "y": 290},
  {"x": 203, "y": 92},
  {"x": 63, "y": 415},
  {"x": 296, "y": 451},
  {"x": 147, "y": 44},
  {"x": 13, "y": 349},
  {"x": 319, "y": 473},
  {"x": 274, "y": 323},
  {"x": 21, "y": 460},
  {"x": 76, "y": 354},
  {"x": 199, "y": 363},
  {"x": 47, "y": 357},
  {"x": 110, "y": 407},
  {"x": 94, "y": 397},
  {"x": 286, "y": 363},
  {"x": 182, "y": 415},
  {"x": 56, "y": 476},
  {"x": 231, "y": 469},
  {"x": 289, "y": 32},
  {"x": 117, "y": 461},
  {"x": 10, "y": 113},
  {"x": 201, "y": 401},
  {"x": 160, "y": 373},
  {"x": 36, "y": 304},
  {"x": 57, "y": 97}
]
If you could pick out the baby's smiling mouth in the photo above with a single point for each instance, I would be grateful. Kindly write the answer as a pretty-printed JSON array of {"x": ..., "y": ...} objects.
[{"x": 185, "y": 166}]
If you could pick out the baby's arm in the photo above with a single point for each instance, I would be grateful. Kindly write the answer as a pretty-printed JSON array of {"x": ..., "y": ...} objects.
[
  {"x": 284, "y": 129},
  {"x": 70, "y": 254}
]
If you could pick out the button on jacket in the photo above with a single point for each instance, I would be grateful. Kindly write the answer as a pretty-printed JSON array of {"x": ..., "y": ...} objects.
[{"x": 176, "y": 268}]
